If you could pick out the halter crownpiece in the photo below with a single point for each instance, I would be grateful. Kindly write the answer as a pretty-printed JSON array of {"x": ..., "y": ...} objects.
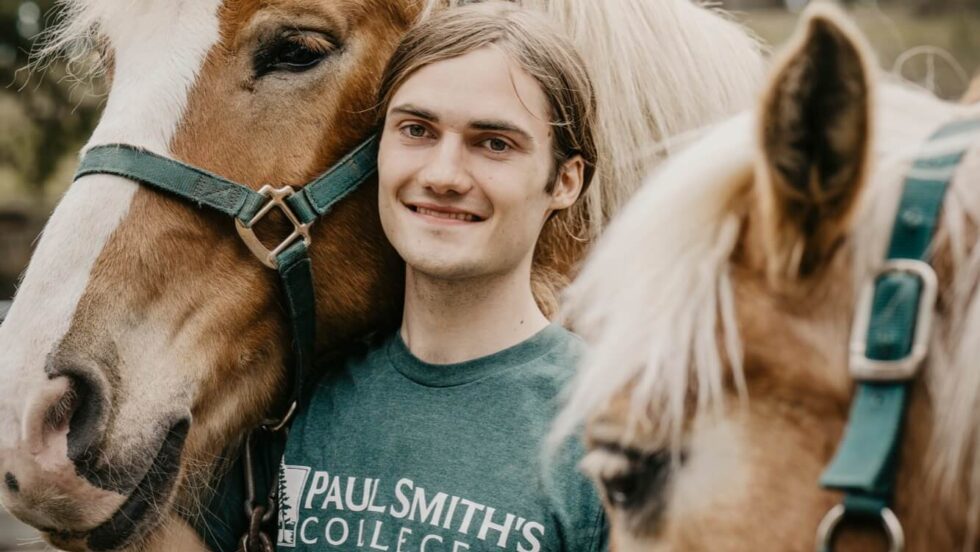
[
  {"x": 290, "y": 258},
  {"x": 890, "y": 339}
]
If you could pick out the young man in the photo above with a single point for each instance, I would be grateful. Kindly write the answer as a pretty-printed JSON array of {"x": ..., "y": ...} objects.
[{"x": 431, "y": 439}]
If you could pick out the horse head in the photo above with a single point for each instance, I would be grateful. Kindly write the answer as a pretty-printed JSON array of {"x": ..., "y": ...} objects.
[
  {"x": 145, "y": 337},
  {"x": 141, "y": 314},
  {"x": 720, "y": 308}
]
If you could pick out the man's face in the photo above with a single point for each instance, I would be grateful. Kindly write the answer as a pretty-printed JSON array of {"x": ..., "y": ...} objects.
[{"x": 465, "y": 157}]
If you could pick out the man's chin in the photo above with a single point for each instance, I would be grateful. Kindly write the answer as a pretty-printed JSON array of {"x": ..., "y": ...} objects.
[{"x": 444, "y": 268}]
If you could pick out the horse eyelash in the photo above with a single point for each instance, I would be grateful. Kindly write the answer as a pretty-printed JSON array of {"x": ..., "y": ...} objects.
[
  {"x": 317, "y": 42},
  {"x": 320, "y": 45}
]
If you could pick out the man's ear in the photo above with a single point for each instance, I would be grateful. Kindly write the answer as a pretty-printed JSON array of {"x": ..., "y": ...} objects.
[
  {"x": 568, "y": 183},
  {"x": 815, "y": 133}
]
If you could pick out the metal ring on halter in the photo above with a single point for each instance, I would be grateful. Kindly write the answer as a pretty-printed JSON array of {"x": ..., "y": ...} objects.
[
  {"x": 278, "y": 425},
  {"x": 889, "y": 521}
]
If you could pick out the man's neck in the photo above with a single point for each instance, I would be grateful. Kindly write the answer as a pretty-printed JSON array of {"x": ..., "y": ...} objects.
[{"x": 449, "y": 321}]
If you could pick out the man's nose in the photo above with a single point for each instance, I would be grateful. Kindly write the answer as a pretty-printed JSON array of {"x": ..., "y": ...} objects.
[{"x": 446, "y": 170}]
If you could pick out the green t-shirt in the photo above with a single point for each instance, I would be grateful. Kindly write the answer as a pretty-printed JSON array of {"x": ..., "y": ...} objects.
[{"x": 395, "y": 454}]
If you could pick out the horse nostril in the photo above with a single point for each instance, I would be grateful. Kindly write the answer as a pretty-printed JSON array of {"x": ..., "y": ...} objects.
[
  {"x": 79, "y": 412},
  {"x": 60, "y": 413},
  {"x": 85, "y": 409},
  {"x": 11, "y": 482}
]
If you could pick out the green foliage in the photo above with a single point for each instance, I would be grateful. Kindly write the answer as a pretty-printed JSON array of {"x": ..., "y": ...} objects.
[{"x": 45, "y": 112}]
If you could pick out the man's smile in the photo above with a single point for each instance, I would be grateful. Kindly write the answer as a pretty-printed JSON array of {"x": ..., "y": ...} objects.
[{"x": 443, "y": 214}]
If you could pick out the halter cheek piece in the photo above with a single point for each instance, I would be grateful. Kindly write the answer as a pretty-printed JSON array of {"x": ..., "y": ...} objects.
[
  {"x": 889, "y": 341},
  {"x": 301, "y": 207}
]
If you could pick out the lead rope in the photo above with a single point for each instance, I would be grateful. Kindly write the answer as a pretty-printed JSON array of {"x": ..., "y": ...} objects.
[
  {"x": 258, "y": 514},
  {"x": 890, "y": 339}
]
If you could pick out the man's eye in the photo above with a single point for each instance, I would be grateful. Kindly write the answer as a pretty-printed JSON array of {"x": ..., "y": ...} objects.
[
  {"x": 415, "y": 131},
  {"x": 497, "y": 145}
]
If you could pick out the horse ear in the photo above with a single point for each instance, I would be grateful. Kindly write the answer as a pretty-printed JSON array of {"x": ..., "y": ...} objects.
[{"x": 815, "y": 132}]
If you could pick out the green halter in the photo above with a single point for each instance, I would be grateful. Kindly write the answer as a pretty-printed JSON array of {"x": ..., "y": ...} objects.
[
  {"x": 890, "y": 339},
  {"x": 290, "y": 259},
  {"x": 301, "y": 207}
]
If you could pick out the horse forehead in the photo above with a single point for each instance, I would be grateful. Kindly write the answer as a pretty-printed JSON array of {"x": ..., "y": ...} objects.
[
  {"x": 115, "y": 17},
  {"x": 239, "y": 12}
]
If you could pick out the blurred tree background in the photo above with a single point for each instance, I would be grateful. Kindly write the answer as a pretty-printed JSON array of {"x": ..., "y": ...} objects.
[{"x": 46, "y": 112}]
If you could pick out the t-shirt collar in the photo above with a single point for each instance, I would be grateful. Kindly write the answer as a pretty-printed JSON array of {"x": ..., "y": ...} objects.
[{"x": 447, "y": 375}]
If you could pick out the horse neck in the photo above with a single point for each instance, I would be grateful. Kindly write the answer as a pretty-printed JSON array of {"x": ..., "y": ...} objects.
[{"x": 358, "y": 277}]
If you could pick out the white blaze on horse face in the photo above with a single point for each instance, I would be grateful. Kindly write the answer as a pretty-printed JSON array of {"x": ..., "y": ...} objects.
[{"x": 159, "y": 47}]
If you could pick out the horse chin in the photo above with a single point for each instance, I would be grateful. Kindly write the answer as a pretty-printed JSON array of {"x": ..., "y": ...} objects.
[{"x": 143, "y": 509}]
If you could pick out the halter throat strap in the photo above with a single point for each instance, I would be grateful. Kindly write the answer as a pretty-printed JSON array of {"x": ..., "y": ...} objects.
[
  {"x": 247, "y": 207},
  {"x": 889, "y": 342}
]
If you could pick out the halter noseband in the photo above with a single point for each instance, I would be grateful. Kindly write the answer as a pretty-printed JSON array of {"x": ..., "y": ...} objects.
[
  {"x": 301, "y": 207},
  {"x": 889, "y": 341}
]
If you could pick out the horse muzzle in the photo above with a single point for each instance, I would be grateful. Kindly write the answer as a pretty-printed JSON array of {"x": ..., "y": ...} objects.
[{"x": 60, "y": 477}]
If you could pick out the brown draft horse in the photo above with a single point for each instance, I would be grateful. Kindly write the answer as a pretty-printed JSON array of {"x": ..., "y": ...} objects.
[
  {"x": 145, "y": 338},
  {"x": 720, "y": 304}
]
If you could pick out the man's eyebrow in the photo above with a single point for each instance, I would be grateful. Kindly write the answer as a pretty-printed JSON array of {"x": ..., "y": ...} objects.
[
  {"x": 415, "y": 111},
  {"x": 502, "y": 126}
]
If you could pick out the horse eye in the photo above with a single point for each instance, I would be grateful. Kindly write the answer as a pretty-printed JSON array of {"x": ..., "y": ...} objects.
[
  {"x": 642, "y": 477},
  {"x": 294, "y": 51},
  {"x": 298, "y": 56}
]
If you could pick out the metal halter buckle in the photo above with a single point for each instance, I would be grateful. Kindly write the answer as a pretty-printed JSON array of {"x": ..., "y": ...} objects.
[
  {"x": 277, "y": 198},
  {"x": 889, "y": 522},
  {"x": 864, "y": 368}
]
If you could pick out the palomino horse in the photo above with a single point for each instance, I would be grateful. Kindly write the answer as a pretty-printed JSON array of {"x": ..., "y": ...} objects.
[
  {"x": 145, "y": 337},
  {"x": 720, "y": 306}
]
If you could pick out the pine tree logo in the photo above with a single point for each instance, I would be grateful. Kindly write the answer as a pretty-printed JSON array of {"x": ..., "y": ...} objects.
[{"x": 290, "y": 485}]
